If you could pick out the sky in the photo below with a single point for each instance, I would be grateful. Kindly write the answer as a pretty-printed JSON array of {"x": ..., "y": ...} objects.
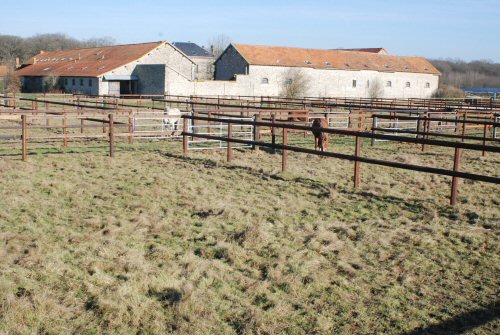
[{"x": 438, "y": 29}]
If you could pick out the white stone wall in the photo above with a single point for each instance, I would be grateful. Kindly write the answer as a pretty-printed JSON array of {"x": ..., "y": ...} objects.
[
  {"x": 322, "y": 83},
  {"x": 339, "y": 83}
]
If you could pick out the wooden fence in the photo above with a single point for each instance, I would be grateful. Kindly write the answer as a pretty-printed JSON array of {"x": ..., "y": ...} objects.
[{"x": 356, "y": 158}]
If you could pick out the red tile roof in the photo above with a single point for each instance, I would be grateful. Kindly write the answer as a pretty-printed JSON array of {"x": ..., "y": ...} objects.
[
  {"x": 87, "y": 62},
  {"x": 332, "y": 59}
]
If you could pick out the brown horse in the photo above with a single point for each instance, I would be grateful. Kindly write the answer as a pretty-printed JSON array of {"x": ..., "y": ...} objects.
[{"x": 320, "y": 138}]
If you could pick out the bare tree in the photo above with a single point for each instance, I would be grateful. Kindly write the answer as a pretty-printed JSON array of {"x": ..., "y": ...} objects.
[
  {"x": 218, "y": 44},
  {"x": 295, "y": 83},
  {"x": 52, "y": 84},
  {"x": 375, "y": 90},
  {"x": 448, "y": 92},
  {"x": 12, "y": 82}
]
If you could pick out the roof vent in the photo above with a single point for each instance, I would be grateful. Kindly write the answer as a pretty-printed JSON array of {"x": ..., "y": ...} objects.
[
  {"x": 308, "y": 62},
  {"x": 386, "y": 66},
  {"x": 426, "y": 69},
  {"x": 365, "y": 65},
  {"x": 328, "y": 64},
  {"x": 47, "y": 69},
  {"x": 347, "y": 65}
]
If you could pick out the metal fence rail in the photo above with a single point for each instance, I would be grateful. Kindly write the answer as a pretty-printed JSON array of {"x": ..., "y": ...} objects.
[{"x": 243, "y": 132}]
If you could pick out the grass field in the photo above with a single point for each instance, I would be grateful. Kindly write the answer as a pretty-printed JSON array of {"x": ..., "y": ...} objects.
[{"x": 150, "y": 242}]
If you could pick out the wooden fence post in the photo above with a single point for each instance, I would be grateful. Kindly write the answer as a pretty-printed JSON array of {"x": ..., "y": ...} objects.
[
  {"x": 65, "y": 130},
  {"x": 130, "y": 127},
  {"x": 454, "y": 181},
  {"x": 464, "y": 125},
  {"x": 273, "y": 132},
  {"x": 111, "y": 136},
  {"x": 357, "y": 163},
  {"x": 184, "y": 136},
  {"x": 284, "y": 152},
  {"x": 427, "y": 126},
  {"x": 229, "y": 144},
  {"x": 374, "y": 125},
  {"x": 419, "y": 126},
  {"x": 82, "y": 123},
  {"x": 256, "y": 131},
  {"x": 23, "y": 137},
  {"x": 485, "y": 132}
]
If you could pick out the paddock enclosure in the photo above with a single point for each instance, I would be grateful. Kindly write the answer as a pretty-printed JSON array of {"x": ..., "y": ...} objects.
[
  {"x": 251, "y": 122},
  {"x": 225, "y": 220}
]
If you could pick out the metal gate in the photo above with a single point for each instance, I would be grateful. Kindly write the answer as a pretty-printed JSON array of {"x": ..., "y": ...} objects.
[
  {"x": 336, "y": 119},
  {"x": 219, "y": 129},
  {"x": 153, "y": 124},
  {"x": 395, "y": 124}
]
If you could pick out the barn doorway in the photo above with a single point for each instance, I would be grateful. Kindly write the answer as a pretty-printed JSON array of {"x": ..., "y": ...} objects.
[
  {"x": 121, "y": 85},
  {"x": 128, "y": 87}
]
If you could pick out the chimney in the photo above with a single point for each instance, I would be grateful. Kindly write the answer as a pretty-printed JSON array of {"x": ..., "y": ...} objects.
[
  {"x": 18, "y": 65},
  {"x": 42, "y": 51}
]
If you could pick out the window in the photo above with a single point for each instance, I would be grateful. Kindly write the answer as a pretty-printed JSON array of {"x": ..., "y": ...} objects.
[
  {"x": 288, "y": 82},
  {"x": 264, "y": 81},
  {"x": 427, "y": 85},
  {"x": 408, "y": 84},
  {"x": 388, "y": 83},
  {"x": 90, "y": 82},
  {"x": 73, "y": 82},
  {"x": 81, "y": 82},
  {"x": 196, "y": 69},
  {"x": 367, "y": 84},
  {"x": 354, "y": 83},
  {"x": 66, "y": 81}
]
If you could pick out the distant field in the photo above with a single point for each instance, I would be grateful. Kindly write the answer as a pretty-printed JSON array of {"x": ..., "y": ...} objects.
[{"x": 150, "y": 242}]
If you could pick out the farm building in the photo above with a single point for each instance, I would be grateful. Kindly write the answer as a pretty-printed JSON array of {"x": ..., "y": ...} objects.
[
  {"x": 148, "y": 68},
  {"x": 242, "y": 70},
  {"x": 204, "y": 60},
  {"x": 341, "y": 73}
]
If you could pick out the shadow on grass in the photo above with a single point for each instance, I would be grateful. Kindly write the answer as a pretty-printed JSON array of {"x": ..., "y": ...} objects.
[{"x": 462, "y": 323}]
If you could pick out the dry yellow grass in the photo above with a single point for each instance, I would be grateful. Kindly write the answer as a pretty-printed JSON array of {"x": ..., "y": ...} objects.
[{"x": 150, "y": 242}]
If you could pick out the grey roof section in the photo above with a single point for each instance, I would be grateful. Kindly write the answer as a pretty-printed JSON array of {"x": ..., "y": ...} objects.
[{"x": 191, "y": 49}]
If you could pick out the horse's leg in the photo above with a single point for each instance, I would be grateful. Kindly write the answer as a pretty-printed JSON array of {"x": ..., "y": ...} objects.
[{"x": 174, "y": 127}]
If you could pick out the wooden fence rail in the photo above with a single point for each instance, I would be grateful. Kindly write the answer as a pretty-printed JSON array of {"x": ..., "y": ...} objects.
[{"x": 357, "y": 158}]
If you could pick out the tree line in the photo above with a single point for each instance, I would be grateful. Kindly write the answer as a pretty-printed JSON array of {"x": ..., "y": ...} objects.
[
  {"x": 460, "y": 74},
  {"x": 25, "y": 48}
]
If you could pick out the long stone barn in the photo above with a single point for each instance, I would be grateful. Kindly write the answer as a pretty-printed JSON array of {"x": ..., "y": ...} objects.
[
  {"x": 161, "y": 68},
  {"x": 268, "y": 70},
  {"x": 148, "y": 68}
]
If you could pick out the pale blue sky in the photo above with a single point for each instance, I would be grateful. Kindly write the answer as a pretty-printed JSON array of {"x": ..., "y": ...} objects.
[{"x": 465, "y": 29}]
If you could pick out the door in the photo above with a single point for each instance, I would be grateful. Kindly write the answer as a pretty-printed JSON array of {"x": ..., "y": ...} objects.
[{"x": 114, "y": 88}]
